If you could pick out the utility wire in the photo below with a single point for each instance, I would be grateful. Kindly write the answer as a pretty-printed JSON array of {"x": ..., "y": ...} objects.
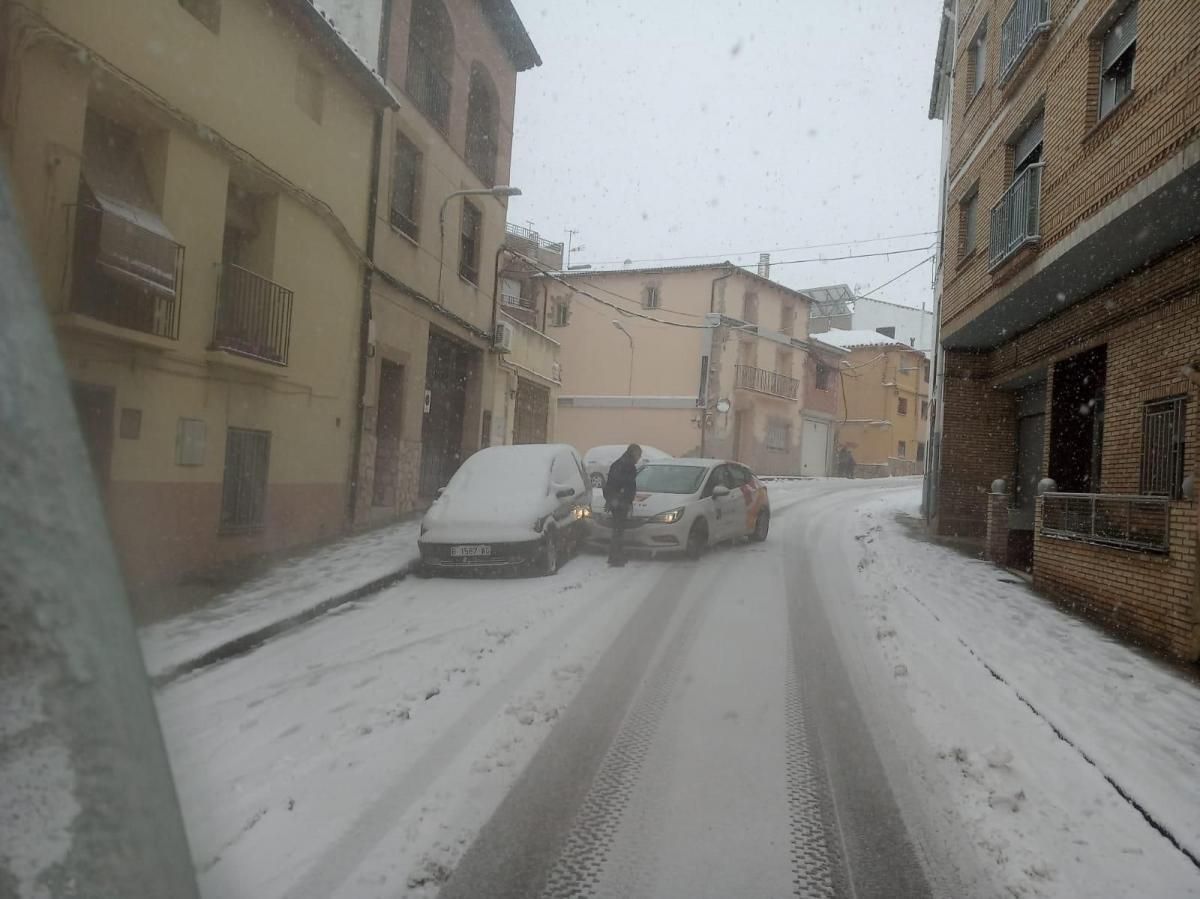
[
  {"x": 812, "y": 246},
  {"x": 840, "y": 258},
  {"x": 897, "y": 278}
]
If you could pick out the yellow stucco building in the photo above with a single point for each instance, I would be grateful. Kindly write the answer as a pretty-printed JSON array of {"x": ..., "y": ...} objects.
[
  {"x": 447, "y": 370},
  {"x": 885, "y": 419},
  {"x": 194, "y": 182},
  {"x": 647, "y": 351}
]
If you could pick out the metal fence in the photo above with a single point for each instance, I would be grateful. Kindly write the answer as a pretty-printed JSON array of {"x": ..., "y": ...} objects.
[
  {"x": 124, "y": 274},
  {"x": 1024, "y": 22},
  {"x": 254, "y": 316},
  {"x": 764, "y": 381},
  {"x": 1124, "y": 521},
  {"x": 533, "y": 237},
  {"x": 1016, "y": 219},
  {"x": 428, "y": 87}
]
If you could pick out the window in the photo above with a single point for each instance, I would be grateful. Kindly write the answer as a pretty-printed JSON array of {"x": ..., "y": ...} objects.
[
  {"x": 483, "y": 126},
  {"x": 902, "y": 450},
  {"x": 750, "y": 308},
  {"x": 783, "y": 362},
  {"x": 1163, "y": 433},
  {"x": 430, "y": 61},
  {"x": 406, "y": 182},
  {"x": 310, "y": 90},
  {"x": 925, "y": 366},
  {"x": 1118, "y": 49},
  {"x": 510, "y": 292},
  {"x": 888, "y": 331},
  {"x": 1027, "y": 148},
  {"x": 787, "y": 321},
  {"x": 977, "y": 59},
  {"x": 190, "y": 438},
  {"x": 468, "y": 255},
  {"x": 127, "y": 267},
  {"x": 925, "y": 410},
  {"x": 244, "y": 491},
  {"x": 920, "y": 451},
  {"x": 824, "y": 373},
  {"x": 737, "y": 475},
  {"x": 651, "y": 298},
  {"x": 902, "y": 406},
  {"x": 562, "y": 314},
  {"x": 968, "y": 222},
  {"x": 778, "y": 436},
  {"x": 207, "y": 12}
]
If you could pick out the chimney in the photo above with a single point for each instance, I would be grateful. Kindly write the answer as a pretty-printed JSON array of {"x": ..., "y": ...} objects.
[{"x": 764, "y": 264}]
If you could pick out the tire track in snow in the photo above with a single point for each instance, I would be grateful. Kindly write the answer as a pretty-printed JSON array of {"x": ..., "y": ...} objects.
[
  {"x": 334, "y": 866},
  {"x": 582, "y": 860}
]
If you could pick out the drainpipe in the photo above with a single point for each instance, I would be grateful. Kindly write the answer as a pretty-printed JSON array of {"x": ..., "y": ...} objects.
[{"x": 500, "y": 251}]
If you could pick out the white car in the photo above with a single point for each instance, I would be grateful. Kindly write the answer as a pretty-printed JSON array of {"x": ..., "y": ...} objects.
[
  {"x": 690, "y": 505},
  {"x": 599, "y": 459},
  {"x": 508, "y": 507}
]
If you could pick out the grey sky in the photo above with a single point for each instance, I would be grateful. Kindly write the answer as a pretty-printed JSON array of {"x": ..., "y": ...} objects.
[{"x": 687, "y": 127}]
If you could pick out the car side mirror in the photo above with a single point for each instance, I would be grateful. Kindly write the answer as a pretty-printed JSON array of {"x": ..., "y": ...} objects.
[
  {"x": 719, "y": 491},
  {"x": 564, "y": 492}
]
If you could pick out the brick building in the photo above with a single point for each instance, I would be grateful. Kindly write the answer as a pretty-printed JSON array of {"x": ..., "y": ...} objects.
[{"x": 1068, "y": 285}]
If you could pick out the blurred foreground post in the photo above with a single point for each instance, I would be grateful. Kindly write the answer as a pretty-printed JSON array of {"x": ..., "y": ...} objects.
[{"x": 86, "y": 797}]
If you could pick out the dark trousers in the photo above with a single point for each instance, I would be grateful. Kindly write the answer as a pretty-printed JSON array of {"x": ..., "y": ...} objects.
[{"x": 620, "y": 516}]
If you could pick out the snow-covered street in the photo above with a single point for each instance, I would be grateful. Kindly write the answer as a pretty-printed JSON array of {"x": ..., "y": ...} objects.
[{"x": 842, "y": 710}]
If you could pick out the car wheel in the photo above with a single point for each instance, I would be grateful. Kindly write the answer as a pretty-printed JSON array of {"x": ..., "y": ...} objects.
[
  {"x": 761, "y": 525},
  {"x": 547, "y": 563},
  {"x": 697, "y": 541},
  {"x": 598, "y": 481}
]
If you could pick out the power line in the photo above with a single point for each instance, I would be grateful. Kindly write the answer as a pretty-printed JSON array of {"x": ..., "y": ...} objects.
[
  {"x": 897, "y": 278},
  {"x": 841, "y": 258},
  {"x": 723, "y": 255}
]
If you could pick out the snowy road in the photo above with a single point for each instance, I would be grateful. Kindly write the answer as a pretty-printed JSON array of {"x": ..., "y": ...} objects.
[{"x": 790, "y": 718}]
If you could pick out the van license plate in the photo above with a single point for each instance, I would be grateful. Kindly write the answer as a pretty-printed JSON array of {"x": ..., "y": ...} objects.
[{"x": 477, "y": 550}]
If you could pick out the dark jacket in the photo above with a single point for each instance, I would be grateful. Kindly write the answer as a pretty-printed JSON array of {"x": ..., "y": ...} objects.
[{"x": 621, "y": 485}]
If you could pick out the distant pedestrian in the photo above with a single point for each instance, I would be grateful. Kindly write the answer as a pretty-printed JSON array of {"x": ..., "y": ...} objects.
[
  {"x": 619, "y": 490},
  {"x": 845, "y": 462}
]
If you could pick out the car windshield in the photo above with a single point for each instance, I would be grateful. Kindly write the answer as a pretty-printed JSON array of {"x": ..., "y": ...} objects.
[
  {"x": 322, "y": 325},
  {"x": 670, "y": 478}
]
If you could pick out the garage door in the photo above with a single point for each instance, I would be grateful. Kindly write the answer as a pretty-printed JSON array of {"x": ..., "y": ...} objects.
[
  {"x": 814, "y": 449},
  {"x": 533, "y": 410}
]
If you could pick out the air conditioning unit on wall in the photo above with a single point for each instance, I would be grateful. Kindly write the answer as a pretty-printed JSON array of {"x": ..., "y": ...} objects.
[{"x": 502, "y": 340}]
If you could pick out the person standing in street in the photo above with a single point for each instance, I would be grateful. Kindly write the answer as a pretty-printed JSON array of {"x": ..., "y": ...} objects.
[{"x": 619, "y": 490}]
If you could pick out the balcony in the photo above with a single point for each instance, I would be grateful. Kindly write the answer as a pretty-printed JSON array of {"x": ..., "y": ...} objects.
[
  {"x": 523, "y": 240},
  {"x": 762, "y": 381},
  {"x": 124, "y": 274},
  {"x": 254, "y": 316},
  {"x": 1140, "y": 523},
  {"x": 1016, "y": 219},
  {"x": 1024, "y": 22},
  {"x": 428, "y": 88}
]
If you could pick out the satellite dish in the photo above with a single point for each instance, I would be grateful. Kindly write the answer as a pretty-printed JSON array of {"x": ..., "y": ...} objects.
[{"x": 722, "y": 406}]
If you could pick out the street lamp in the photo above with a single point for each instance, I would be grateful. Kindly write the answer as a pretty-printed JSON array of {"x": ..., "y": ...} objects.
[
  {"x": 500, "y": 191},
  {"x": 620, "y": 327}
]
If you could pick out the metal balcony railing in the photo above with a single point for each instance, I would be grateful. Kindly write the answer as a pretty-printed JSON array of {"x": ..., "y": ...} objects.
[
  {"x": 1024, "y": 22},
  {"x": 254, "y": 316},
  {"x": 428, "y": 87},
  {"x": 763, "y": 381},
  {"x": 1016, "y": 219},
  {"x": 532, "y": 237},
  {"x": 124, "y": 274},
  {"x": 1125, "y": 521}
]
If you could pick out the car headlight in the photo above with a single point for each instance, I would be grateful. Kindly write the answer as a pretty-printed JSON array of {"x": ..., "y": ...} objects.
[{"x": 669, "y": 517}]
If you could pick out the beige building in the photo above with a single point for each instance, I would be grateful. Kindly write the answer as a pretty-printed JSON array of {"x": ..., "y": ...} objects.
[
  {"x": 447, "y": 369},
  {"x": 645, "y": 351},
  {"x": 193, "y": 177},
  {"x": 885, "y": 418}
]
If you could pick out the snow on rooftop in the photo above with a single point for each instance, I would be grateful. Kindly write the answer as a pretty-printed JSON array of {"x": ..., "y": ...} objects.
[{"x": 846, "y": 340}]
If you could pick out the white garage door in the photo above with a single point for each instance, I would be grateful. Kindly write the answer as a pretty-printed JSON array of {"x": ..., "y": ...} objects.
[{"x": 814, "y": 448}]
